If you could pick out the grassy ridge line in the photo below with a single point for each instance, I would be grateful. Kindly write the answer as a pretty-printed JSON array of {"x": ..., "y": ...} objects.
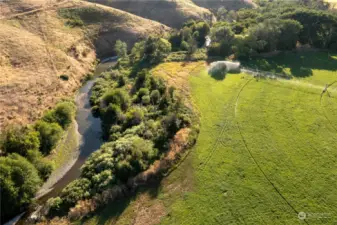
[{"x": 170, "y": 13}]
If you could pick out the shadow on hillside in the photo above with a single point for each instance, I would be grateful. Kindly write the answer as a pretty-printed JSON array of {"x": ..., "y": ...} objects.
[
  {"x": 113, "y": 210},
  {"x": 300, "y": 64}
]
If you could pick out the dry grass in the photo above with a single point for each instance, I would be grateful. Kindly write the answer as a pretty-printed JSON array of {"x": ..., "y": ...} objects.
[
  {"x": 177, "y": 75},
  {"x": 170, "y": 13},
  {"x": 36, "y": 48},
  {"x": 35, "y": 51},
  {"x": 110, "y": 24}
]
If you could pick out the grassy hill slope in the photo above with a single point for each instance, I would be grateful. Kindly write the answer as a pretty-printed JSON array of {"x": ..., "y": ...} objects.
[
  {"x": 37, "y": 47},
  {"x": 170, "y": 13}
]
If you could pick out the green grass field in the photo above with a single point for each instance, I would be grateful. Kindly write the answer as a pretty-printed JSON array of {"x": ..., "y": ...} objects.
[{"x": 266, "y": 151}]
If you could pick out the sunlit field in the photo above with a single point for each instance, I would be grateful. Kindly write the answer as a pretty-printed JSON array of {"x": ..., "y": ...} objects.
[{"x": 265, "y": 153}]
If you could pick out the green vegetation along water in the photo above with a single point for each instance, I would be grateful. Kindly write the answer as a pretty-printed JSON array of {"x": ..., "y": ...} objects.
[{"x": 265, "y": 152}]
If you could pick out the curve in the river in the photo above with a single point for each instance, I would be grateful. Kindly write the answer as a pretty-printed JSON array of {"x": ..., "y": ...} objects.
[{"x": 89, "y": 129}]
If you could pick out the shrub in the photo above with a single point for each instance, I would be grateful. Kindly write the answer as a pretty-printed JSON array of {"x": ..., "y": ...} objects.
[
  {"x": 184, "y": 46},
  {"x": 62, "y": 114},
  {"x": 44, "y": 167},
  {"x": 55, "y": 205},
  {"x": 155, "y": 96},
  {"x": 64, "y": 77},
  {"x": 20, "y": 140},
  {"x": 75, "y": 191},
  {"x": 121, "y": 81},
  {"x": 135, "y": 116},
  {"x": 19, "y": 181},
  {"x": 142, "y": 92},
  {"x": 156, "y": 49},
  {"x": 172, "y": 124},
  {"x": 50, "y": 134},
  {"x": 146, "y": 100},
  {"x": 111, "y": 115},
  {"x": 142, "y": 79},
  {"x": 121, "y": 49},
  {"x": 117, "y": 97}
]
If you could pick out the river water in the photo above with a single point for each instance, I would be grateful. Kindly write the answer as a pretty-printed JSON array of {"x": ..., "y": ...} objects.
[{"x": 89, "y": 129}]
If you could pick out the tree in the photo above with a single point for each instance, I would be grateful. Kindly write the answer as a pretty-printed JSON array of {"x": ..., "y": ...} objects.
[
  {"x": 19, "y": 182},
  {"x": 20, "y": 140},
  {"x": 319, "y": 27},
  {"x": 289, "y": 35},
  {"x": 137, "y": 52},
  {"x": 121, "y": 49},
  {"x": 50, "y": 134},
  {"x": 62, "y": 114},
  {"x": 266, "y": 35},
  {"x": 117, "y": 97},
  {"x": 156, "y": 49},
  {"x": 222, "y": 40},
  {"x": 221, "y": 13},
  {"x": 77, "y": 190}
]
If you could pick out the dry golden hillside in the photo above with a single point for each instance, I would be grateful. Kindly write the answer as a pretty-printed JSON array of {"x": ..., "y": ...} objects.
[
  {"x": 172, "y": 13},
  {"x": 36, "y": 47}
]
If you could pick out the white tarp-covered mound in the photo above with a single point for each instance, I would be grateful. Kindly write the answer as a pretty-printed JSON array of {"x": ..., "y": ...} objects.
[{"x": 224, "y": 66}]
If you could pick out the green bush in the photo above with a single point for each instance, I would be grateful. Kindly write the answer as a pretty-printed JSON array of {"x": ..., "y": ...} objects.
[
  {"x": 62, "y": 114},
  {"x": 110, "y": 115},
  {"x": 184, "y": 46},
  {"x": 20, "y": 140},
  {"x": 19, "y": 181},
  {"x": 155, "y": 96},
  {"x": 44, "y": 167},
  {"x": 146, "y": 100},
  {"x": 142, "y": 92},
  {"x": 55, "y": 205},
  {"x": 135, "y": 116},
  {"x": 127, "y": 156},
  {"x": 117, "y": 97},
  {"x": 50, "y": 134},
  {"x": 75, "y": 191}
]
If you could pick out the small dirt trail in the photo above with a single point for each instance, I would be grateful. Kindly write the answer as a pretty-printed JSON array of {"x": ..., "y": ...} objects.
[{"x": 254, "y": 159}]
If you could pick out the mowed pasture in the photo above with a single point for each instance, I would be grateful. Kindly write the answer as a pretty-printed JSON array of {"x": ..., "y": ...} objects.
[{"x": 266, "y": 151}]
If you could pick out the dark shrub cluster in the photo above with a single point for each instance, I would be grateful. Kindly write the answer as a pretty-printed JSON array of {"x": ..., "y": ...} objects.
[
  {"x": 23, "y": 167},
  {"x": 139, "y": 114}
]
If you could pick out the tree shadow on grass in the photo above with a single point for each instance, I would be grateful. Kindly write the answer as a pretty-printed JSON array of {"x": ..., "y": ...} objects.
[
  {"x": 114, "y": 209},
  {"x": 298, "y": 64}
]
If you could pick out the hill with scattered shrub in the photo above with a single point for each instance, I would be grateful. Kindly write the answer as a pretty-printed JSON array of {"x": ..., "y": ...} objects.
[
  {"x": 170, "y": 13},
  {"x": 46, "y": 52}
]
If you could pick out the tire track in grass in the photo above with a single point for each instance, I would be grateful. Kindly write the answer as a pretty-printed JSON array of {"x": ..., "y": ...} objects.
[
  {"x": 325, "y": 90},
  {"x": 218, "y": 140},
  {"x": 253, "y": 158}
]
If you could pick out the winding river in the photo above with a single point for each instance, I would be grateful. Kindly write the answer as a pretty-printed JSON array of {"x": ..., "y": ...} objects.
[{"x": 89, "y": 129}]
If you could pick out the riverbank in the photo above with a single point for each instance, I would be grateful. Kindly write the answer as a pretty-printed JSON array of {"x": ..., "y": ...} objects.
[{"x": 63, "y": 157}]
